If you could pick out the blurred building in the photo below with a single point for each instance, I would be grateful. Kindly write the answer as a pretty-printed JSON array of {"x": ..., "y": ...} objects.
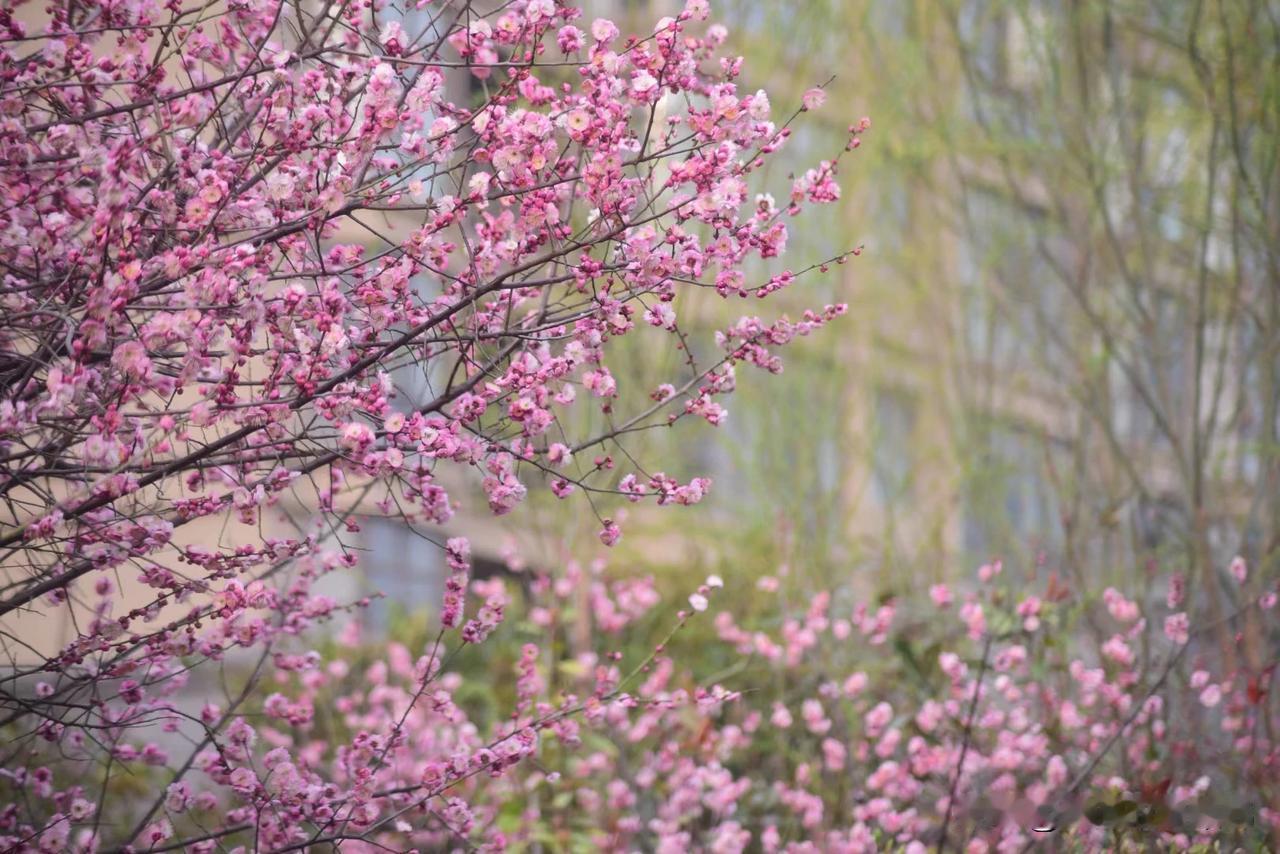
[
  {"x": 1063, "y": 341},
  {"x": 1063, "y": 344}
]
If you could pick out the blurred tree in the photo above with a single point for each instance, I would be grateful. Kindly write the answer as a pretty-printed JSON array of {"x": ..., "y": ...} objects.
[
  {"x": 1071, "y": 280},
  {"x": 1111, "y": 176}
]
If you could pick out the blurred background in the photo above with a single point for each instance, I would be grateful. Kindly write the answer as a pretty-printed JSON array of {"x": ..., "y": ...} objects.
[
  {"x": 1063, "y": 347},
  {"x": 1062, "y": 352}
]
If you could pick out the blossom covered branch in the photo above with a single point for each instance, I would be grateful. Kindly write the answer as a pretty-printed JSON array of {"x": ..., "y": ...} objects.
[{"x": 352, "y": 256}]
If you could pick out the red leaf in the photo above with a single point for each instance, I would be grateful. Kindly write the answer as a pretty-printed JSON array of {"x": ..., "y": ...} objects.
[
  {"x": 1154, "y": 793},
  {"x": 1255, "y": 691},
  {"x": 1057, "y": 591}
]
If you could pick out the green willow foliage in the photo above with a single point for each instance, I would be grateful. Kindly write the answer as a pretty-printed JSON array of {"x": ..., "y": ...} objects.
[{"x": 1065, "y": 341}]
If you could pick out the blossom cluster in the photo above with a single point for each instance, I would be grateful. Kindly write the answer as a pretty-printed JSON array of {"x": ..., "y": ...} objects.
[
  {"x": 842, "y": 727},
  {"x": 269, "y": 268},
  {"x": 847, "y": 726},
  {"x": 253, "y": 344}
]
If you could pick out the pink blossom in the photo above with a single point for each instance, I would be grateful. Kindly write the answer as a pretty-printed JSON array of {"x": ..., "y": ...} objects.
[
  {"x": 951, "y": 665},
  {"x": 929, "y": 716},
  {"x": 877, "y": 719},
  {"x": 814, "y": 98},
  {"x": 644, "y": 85},
  {"x": 610, "y": 533},
  {"x": 569, "y": 39},
  {"x": 81, "y": 810},
  {"x": 228, "y": 348},
  {"x": 972, "y": 614},
  {"x": 1122, "y": 609},
  {"x": 834, "y": 754},
  {"x": 356, "y": 436},
  {"x": 1118, "y": 651},
  {"x": 600, "y": 383},
  {"x": 603, "y": 30},
  {"x": 1177, "y": 628},
  {"x": 815, "y": 718},
  {"x": 559, "y": 454},
  {"x": 1029, "y": 610}
]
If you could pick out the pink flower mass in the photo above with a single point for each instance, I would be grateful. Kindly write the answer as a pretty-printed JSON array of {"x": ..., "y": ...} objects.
[{"x": 260, "y": 257}]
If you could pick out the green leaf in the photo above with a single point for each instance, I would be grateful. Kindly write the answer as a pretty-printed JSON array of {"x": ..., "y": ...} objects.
[{"x": 1098, "y": 813}]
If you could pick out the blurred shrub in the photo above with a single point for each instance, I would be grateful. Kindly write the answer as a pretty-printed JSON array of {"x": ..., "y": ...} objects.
[{"x": 775, "y": 719}]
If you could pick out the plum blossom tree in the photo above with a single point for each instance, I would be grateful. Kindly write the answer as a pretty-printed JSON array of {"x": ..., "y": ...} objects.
[
  {"x": 227, "y": 229},
  {"x": 970, "y": 721}
]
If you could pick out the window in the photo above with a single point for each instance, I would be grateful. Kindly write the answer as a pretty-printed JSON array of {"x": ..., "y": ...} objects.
[
  {"x": 1254, "y": 438},
  {"x": 408, "y": 568},
  {"x": 1026, "y": 39},
  {"x": 982, "y": 38},
  {"x": 1012, "y": 299},
  {"x": 1165, "y": 114},
  {"x": 889, "y": 19},
  {"x": 1004, "y": 48},
  {"x": 891, "y": 220},
  {"x": 892, "y": 462},
  {"x": 1129, "y": 414},
  {"x": 1009, "y": 502},
  {"x": 1162, "y": 355},
  {"x": 415, "y": 21},
  {"x": 418, "y": 377},
  {"x": 1169, "y": 135},
  {"x": 401, "y": 563},
  {"x": 1161, "y": 522},
  {"x": 988, "y": 262},
  {"x": 1218, "y": 251}
]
